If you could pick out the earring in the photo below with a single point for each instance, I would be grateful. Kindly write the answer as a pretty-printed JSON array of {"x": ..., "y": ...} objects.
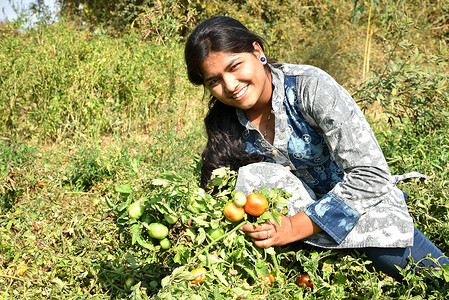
[{"x": 263, "y": 59}]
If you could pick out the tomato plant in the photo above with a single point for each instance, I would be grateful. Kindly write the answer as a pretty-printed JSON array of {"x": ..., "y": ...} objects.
[
  {"x": 136, "y": 209},
  {"x": 200, "y": 274},
  {"x": 304, "y": 280},
  {"x": 256, "y": 204},
  {"x": 240, "y": 199},
  {"x": 158, "y": 231},
  {"x": 233, "y": 213}
]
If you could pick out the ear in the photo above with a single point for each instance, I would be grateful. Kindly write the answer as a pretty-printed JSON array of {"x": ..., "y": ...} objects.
[{"x": 258, "y": 51}]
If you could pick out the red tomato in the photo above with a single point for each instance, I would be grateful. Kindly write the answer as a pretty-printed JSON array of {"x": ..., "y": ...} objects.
[
  {"x": 269, "y": 280},
  {"x": 200, "y": 274},
  {"x": 304, "y": 280},
  {"x": 233, "y": 213},
  {"x": 256, "y": 204}
]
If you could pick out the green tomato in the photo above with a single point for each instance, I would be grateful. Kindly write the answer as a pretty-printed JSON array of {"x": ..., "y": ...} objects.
[
  {"x": 158, "y": 231},
  {"x": 129, "y": 283},
  {"x": 215, "y": 233},
  {"x": 165, "y": 243},
  {"x": 240, "y": 199},
  {"x": 136, "y": 210},
  {"x": 153, "y": 284},
  {"x": 196, "y": 207},
  {"x": 170, "y": 219}
]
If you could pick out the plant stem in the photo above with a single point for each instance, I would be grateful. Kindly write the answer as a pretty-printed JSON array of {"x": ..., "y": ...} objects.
[{"x": 218, "y": 239}]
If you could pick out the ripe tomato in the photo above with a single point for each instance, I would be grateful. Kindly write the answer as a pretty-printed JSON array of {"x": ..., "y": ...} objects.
[
  {"x": 22, "y": 269},
  {"x": 240, "y": 199},
  {"x": 269, "y": 280},
  {"x": 233, "y": 213},
  {"x": 136, "y": 209},
  {"x": 256, "y": 204},
  {"x": 158, "y": 231},
  {"x": 200, "y": 274},
  {"x": 304, "y": 280},
  {"x": 165, "y": 243}
]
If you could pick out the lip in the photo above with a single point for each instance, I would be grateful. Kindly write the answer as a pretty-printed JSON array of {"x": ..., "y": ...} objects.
[{"x": 241, "y": 94}]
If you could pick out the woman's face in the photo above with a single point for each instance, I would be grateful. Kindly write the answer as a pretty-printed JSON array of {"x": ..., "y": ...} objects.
[{"x": 238, "y": 79}]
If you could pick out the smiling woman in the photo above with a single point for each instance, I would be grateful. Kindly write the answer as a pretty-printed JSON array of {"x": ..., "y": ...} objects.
[{"x": 284, "y": 126}]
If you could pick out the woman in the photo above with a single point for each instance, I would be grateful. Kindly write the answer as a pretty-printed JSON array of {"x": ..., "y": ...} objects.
[{"x": 284, "y": 126}]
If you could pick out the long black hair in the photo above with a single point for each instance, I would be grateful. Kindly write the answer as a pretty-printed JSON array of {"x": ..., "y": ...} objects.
[{"x": 225, "y": 147}]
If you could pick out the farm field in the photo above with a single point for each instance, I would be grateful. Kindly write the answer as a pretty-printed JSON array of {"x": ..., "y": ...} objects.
[{"x": 95, "y": 122}]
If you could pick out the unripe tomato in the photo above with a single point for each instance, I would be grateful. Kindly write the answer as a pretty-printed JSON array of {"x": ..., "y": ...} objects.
[
  {"x": 136, "y": 210},
  {"x": 165, "y": 243},
  {"x": 233, "y": 213},
  {"x": 170, "y": 219},
  {"x": 158, "y": 231},
  {"x": 153, "y": 284},
  {"x": 256, "y": 204},
  {"x": 129, "y": 283},
  {"x": 304, "y": 280},
  {"x": 200, "y": 275},
  {"x": 196, "y": 207},
  {"x": 269, "y": 280},
  {"x": 215, "y": 233},
  {"x": 240, "y": 199}
]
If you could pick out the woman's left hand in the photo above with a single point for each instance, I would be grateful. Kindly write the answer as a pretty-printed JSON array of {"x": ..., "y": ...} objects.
[{"x": 270, "y": 233}]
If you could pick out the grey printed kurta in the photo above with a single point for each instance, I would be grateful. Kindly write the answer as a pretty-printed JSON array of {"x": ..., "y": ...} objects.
[{"x": 325, "y": 154}]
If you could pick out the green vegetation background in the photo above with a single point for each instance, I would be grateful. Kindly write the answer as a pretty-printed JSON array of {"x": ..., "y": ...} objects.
[{"x": 86, "y": 107}]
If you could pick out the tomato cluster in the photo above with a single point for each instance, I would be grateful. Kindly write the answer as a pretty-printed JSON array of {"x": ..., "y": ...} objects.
[
  {"x": 254, "y": 204},
  {"x": 156, "y": 230}
]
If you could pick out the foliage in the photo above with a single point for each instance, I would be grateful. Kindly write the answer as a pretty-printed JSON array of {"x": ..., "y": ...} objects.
[
  {"x": 15, "y": 162},
  {"x": 72, "y": 83},
  {"x": 414, "y": 88}
]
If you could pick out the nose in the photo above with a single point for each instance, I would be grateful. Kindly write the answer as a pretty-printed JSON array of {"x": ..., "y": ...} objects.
[{"x": 230, "y": 82}]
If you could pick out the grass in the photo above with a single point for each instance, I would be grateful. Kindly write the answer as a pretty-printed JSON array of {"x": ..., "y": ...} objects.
[{"x": 85, "y": 117}]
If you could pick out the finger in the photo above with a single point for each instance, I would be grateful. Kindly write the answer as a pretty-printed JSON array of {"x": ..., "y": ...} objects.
[
  {"x": 259, "y": 235},
  {"x": 263, "y": 243},
  {"x": 252, "y": 228}
]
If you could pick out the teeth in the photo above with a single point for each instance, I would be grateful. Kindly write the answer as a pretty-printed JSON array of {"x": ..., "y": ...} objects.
[{"x": 240, "y": 93}]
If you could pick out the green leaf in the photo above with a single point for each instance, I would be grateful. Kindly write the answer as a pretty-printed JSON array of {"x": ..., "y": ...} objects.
[
  {"x": 201, "y": 236},
  {"x": 135, "y": 232},
  {"x": 277, "y": 217},
  {"x": 282, "y": 202},
  {"x": 160, "y": 182},
  {"x": 220, "y": 276},
  {"x": 123, "y": 188}
]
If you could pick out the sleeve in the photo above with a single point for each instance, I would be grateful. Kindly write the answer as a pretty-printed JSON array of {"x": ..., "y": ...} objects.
[{"x": 331, "y": 110}]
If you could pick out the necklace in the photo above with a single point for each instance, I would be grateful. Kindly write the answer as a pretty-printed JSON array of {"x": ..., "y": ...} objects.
[{"x": 266, "y": 127}]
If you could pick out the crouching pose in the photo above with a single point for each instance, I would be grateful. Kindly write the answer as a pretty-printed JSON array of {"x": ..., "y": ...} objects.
[{"x": 294, "y": 127}]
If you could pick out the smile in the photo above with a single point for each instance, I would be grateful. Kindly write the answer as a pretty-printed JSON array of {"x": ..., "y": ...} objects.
[{"x": 241, "y": 93}]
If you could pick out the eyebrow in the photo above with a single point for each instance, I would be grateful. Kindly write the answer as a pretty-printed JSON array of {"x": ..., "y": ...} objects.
[{"x": 226, "y": 68}]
